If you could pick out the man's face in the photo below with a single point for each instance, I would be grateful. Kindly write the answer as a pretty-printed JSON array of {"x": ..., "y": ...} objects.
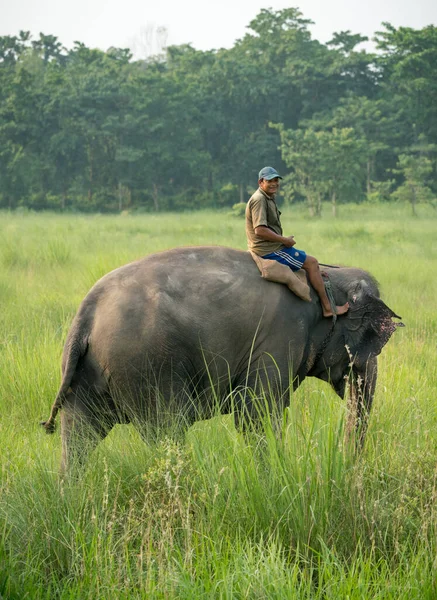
[{"x": 269, "y": 187}]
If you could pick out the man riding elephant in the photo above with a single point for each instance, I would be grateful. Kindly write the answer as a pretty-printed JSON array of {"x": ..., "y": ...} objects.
[{"x": 265, "y": 237}]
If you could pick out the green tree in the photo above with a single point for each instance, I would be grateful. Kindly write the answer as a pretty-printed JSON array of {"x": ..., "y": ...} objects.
[
  {"x": 416, "y": 168},
  {"x": 354, "y": 69},
  {"x": 341, "y": 155},
  {"x": 372, "y": 123},
  {"x": 408, "y": 63},
  {"x": 97, "y": 131},
  {"x": 301, "y": 150},
  {"x": 325, "y": 165},
  {"x": 11, "y": 148}
]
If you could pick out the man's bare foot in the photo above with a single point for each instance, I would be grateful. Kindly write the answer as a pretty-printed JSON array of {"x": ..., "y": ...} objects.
[{"x": 341, "y": 310}]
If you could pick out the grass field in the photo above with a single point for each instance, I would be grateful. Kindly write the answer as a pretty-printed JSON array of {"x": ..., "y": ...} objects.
[{"x": 213, "y": 514}]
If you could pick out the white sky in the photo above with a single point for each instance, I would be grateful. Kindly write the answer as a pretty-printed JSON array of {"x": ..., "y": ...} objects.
[{"x": 206, "y": 24}]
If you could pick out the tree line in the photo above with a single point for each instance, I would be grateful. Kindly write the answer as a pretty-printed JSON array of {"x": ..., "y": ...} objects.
[{"x": 88, "y": 130}]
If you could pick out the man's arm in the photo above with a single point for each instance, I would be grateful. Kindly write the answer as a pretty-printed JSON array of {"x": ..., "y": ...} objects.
[{"x": 268, "y": 234}]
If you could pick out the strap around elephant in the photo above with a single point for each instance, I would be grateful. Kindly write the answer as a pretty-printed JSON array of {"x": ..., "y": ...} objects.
[{"x": 330, "y": 294}]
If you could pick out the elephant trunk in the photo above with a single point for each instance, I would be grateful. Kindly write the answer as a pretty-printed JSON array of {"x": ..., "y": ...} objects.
[{"x": 362, "y": 382}]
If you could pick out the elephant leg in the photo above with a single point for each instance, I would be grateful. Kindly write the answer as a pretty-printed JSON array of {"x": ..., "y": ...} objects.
[
  {"x": 83, "y": 426},
  {"x": 164, "y": 407},
  {"x": 262, "y": 401}
]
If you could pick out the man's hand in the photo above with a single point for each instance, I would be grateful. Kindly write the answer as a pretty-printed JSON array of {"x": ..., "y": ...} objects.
[
  {"x": 289, "y": 241},
  {"x": 268, "y": 234}
]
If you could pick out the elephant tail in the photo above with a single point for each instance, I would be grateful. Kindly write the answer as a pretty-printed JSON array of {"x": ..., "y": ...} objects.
[{"x": 75, "y": 349}]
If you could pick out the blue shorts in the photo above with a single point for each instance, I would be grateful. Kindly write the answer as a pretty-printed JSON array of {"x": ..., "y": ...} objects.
[{"x": 292, "y": 257}]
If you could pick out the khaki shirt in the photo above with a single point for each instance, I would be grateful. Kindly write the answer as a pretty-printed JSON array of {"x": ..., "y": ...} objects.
[{"x": 261, "y": 209}]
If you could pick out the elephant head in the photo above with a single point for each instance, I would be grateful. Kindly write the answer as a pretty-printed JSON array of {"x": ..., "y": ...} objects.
[
  {"x": 367, "y": 327},
  {"x": 357, "y": 339},
  {"x": 368, "y": 324}
]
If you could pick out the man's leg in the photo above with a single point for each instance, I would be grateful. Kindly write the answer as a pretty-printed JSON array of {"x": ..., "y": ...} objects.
[{"x": 311, "y": 266}]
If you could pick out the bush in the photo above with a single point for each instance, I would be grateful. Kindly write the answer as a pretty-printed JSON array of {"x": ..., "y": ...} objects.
[
  {"x": 381, "y": 191},
  {"x": 238, "y": 210}
]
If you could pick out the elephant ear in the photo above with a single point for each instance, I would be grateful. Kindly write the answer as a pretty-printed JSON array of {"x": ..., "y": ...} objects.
[{"x": 368, "y": 324}]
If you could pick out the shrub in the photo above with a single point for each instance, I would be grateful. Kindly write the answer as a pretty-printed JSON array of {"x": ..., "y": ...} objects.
[{"x": 239, "y": 209}]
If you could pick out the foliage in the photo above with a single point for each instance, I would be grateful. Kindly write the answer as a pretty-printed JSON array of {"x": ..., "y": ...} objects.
[
  {"x": 239, "y": 209},
  {"x": 325, "y": 164},
  {"x": 87, "y": 130},
  {"x": 381, "y": 191},
  {"x": 416, "y": 169}
]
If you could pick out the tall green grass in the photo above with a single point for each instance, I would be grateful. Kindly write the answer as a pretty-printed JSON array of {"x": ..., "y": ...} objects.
[{"x": 287, "y": 511}]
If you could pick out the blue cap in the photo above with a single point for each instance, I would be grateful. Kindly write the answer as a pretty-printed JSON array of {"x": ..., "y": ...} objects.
[{"x": 268, "y": 173}]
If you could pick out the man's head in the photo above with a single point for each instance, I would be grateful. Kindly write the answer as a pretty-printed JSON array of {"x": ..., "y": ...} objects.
[{"x": 268, "y": 180}]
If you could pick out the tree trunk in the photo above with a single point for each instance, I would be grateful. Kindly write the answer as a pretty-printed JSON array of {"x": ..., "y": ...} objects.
[
  {"x": 318, "y": 205},
  {"x": 90, "y": 189},
  {"x": 334, "y": 204},
  {"x": 241, "y": 193},
  {"x": 311, "y": 206},
  {"x": 413, "y": 200},
  {"x": 308, "y": 193},
  {"x": 155, "y": 196},
  {"x": 120, "y": 197},
  {"x": 369, "y": 173}
]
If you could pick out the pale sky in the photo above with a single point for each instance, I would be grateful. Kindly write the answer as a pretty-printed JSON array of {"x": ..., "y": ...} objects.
[{"x": 202, "y": 23}]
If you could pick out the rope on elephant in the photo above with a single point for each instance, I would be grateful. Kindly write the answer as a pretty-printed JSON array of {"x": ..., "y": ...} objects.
[
  {"x": 330, "y": 266},
  {"x": 322, "y": 348},
  {"x": 330, "y": 294},
  {"x": 328, "y": 337}
]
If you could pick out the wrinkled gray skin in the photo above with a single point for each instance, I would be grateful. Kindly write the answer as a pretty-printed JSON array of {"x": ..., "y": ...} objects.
[{"x": 143, "y": 336}]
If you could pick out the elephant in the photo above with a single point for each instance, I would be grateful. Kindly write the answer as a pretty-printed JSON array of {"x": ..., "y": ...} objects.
[{"x": 180, "y": 330}]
